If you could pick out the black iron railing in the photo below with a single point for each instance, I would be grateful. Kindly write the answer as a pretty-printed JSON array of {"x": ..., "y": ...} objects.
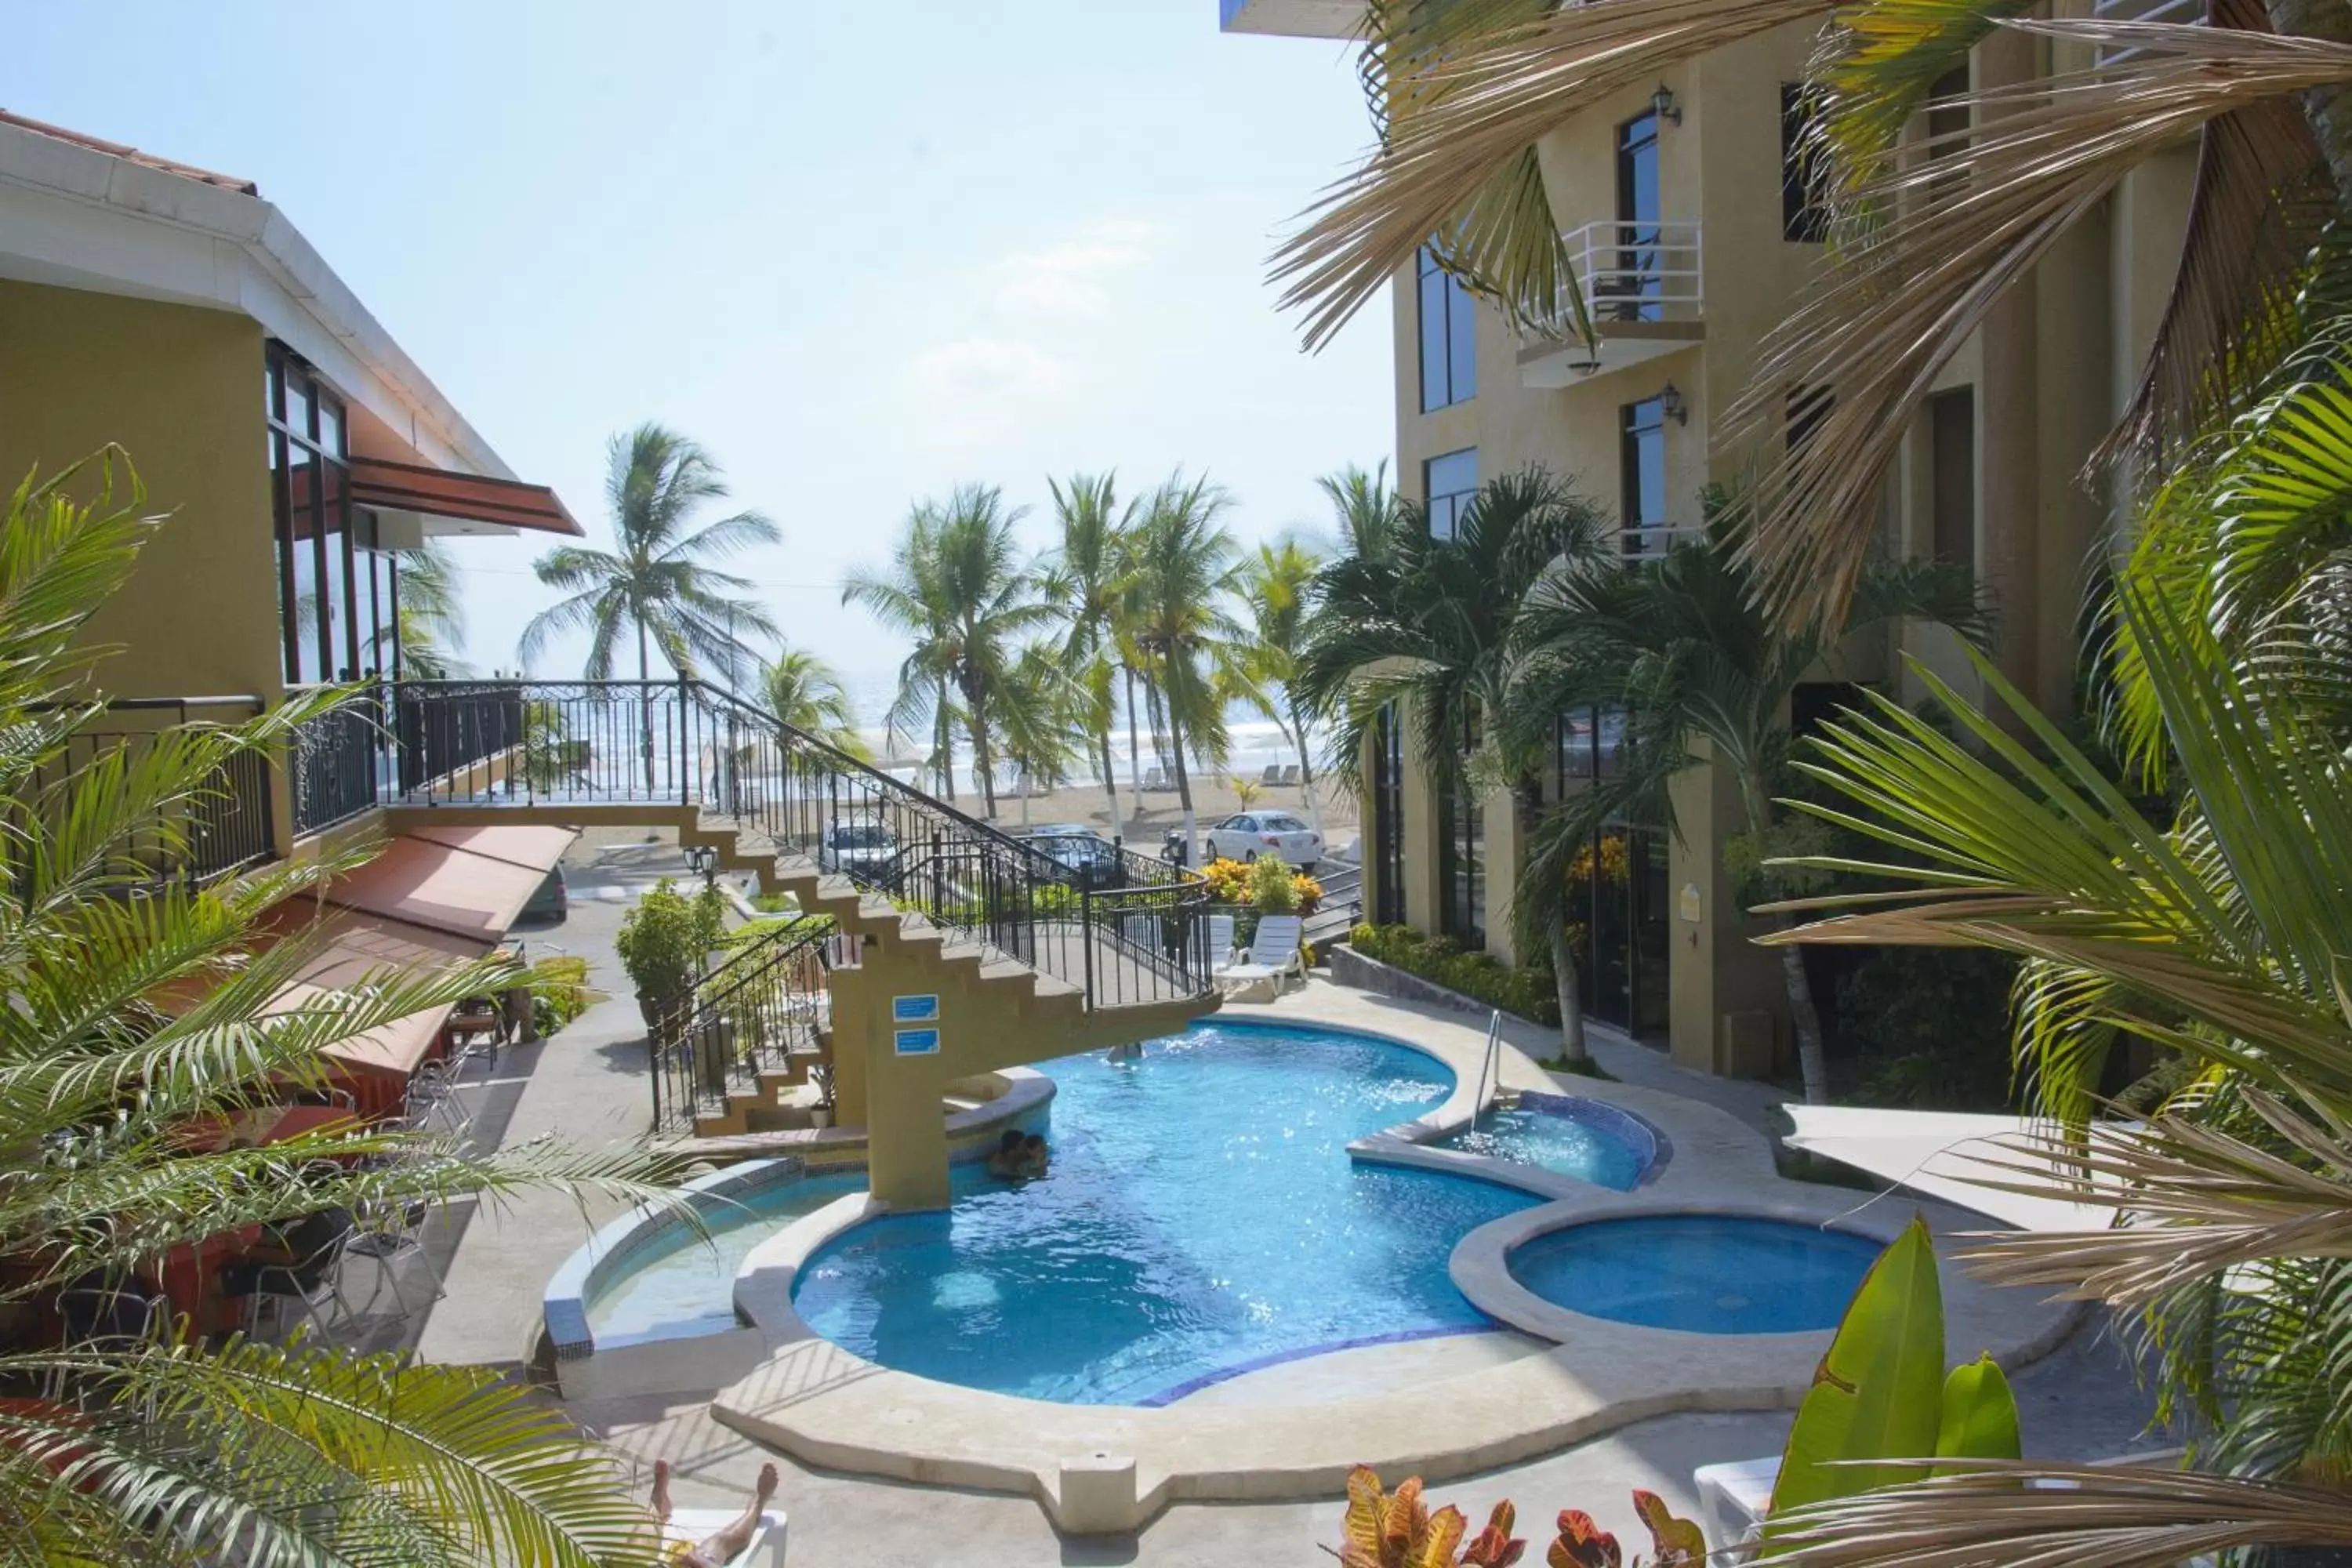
[
  {"x": 224, "y": 826},
  {"x": 687, "y": 743},
  {"x": 752, "y": 1015},
  {"x": 336, "y": 762}
]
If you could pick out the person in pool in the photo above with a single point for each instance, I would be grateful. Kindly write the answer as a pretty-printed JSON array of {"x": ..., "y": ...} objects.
[
  {"x": 1006, "y": 1164},
  {"x": 1033, "y": 1155}
]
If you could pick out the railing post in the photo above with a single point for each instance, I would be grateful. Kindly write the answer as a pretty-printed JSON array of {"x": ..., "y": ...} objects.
[{"x": 1087, "y": 941}]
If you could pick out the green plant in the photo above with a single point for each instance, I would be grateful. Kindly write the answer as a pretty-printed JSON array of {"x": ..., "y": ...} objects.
[
  {"x": 1528, "y": 991},
  {"x": 662, "y": 941},
  {"x": 560, "y": 991},
  {"x": 1930, "y": 1025},
  {"x": 1882, "y": 1393},
  {"x": 166, "y": 1450},
  {"x": 711, "y": 918},
  {"x": 1246, "y": 791},
  {"x": 1273, "y": 886}
]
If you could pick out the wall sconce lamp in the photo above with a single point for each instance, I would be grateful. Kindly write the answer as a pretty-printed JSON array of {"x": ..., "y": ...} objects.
[
  {"x": 1671, "y": 404},
  {"x": 1662, "y": 104}
]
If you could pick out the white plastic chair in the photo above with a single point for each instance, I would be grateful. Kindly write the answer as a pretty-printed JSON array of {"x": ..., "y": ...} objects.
[
  {"x": 1276, "y": 946},
  {"x": 1219, "y": 935}
]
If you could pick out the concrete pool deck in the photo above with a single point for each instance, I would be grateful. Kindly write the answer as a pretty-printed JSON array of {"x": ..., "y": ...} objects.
[{"x": 1097, "y": 1468}]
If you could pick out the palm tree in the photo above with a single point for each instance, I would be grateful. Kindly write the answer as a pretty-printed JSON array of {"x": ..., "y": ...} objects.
[
  {"x": 910, "y": 597},
  {"x": 1275, "y": 583},
  {"x": 1934, "y": 249},
  {"x": 1043, "y": 717},
  {"x": 1683, "y": 648},
  {"x": 803, "y": 690},
  {"x": 656, "y": 581},
  {"x": 1426, "y": 627},
  {"x": 959, "y": 587},
  {"x": 1086, "y": 583},
  {"x": 1364, "y": 506},
  {"x": 1188, "y": 645},
  {"x": 165, "y": 1451},
  {"x": 432, "y": 620}
]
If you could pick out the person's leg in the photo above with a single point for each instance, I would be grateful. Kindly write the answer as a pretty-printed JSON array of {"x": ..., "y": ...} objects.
[
  {"x": 728, "y": 1545},
  {"x": 661, "y": 1490}
]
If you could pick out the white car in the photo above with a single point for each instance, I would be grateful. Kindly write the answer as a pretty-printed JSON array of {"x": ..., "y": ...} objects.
[{"x": 1255, "y": 833}]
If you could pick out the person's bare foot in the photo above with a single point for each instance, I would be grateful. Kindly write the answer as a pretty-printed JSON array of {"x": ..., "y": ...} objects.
[
  {"x": 767, "y": 1486},
  {"x": 661, "y": 1489}
]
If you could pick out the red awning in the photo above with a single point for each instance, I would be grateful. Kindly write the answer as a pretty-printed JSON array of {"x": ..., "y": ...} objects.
[
  {"x": 537, "y": 847},
  {"x": 469, "y": 498},
  {"x": 445, "y": 888}
]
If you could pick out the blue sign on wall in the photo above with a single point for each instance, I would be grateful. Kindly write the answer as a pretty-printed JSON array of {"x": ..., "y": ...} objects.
[
  {"x": 914, "y": 1009},
  {"x": 917, "y": 1042}
]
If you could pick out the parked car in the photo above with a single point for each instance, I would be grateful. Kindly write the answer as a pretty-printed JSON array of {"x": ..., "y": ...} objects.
[
  {"x": 1092, "y": 860},
  {"x": 859, "y": 848},
  {"x": 550, "y": 901},
  {"x": 1257, "y": 833}
]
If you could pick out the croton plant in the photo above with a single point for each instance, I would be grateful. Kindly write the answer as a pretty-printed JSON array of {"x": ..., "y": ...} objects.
[{"x": 1398, "y": 1530}]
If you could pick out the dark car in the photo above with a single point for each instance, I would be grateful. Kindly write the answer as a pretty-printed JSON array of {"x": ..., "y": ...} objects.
[
  {"x": 1091, "y": 860},
  {"x": 550, "y": 903}
]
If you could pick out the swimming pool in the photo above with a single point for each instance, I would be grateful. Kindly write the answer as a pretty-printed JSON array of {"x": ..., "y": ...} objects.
[
  {"x": 1201, "y": 1217},
  {"x": 1574, "y": 1136},
  {"x": 686, "y": 1286},
  {"x": 1710, "y": 1274}
]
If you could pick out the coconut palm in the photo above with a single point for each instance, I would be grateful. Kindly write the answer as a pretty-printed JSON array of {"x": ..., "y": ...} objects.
[
  {"x": 159, "y": 1449},
  {"x": 1364, "y": 509},
  {"x": 1932, "y": 248},
  {"x": 1087, "y": 582},
  {"x": 803, "y": 690},
  {"x": 1187, "y": 644},
  {"x": 432, "y": 620},
  {"x": 1275, "y": 581},
  {"x": 959, "y": 587},
  {"x": 657, "y": 582},
  {"x": 1043, "y": 716},
  {"x": 1425, "y": 628},
  {"x": 910, "y": 597},
  {"x": 1683, "y": 648}
]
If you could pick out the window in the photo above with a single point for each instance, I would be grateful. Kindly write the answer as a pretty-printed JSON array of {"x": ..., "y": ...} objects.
[
  {"x": 337, "y": 594},
  {"x": 1450, "y": 482},
  {"x": 1641, "y": 463},
  {"x": 1449, "y": 355},
  {"x": 1633, "y": 294},
  {"x": 1804, "y": 207},
  {"x": 1947, "y": 127},
  {"x": 1464, "y": 917},
  {"x": 1952, "y": 475},
  {"x": 1388, "y": 818}
]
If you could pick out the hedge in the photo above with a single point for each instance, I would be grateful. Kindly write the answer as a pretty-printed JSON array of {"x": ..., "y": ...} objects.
[{"x": 1528, "y": 991}]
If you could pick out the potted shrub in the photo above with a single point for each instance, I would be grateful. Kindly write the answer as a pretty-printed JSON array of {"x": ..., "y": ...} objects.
[{"x": 661, "y": 944}]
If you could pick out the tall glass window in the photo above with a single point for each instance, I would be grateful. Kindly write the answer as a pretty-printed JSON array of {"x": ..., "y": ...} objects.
[
  {"x": 1450, "y": 482},
  {"x": 1640, "y": 283},
  {"x": 1388, "y": 818},
  {"x": 1449, "y": 353},
  {"x": 1616, "y": 895},
  {"x": 1641, "y": 463},
  {"x": 334, "y": 587},
  {"x": 1804, "y": 192}
]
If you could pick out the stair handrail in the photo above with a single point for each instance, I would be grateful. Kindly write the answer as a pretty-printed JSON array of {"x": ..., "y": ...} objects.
[
  {"x": 1489, "y": 1066},
  {"x": 678, "y": 1059}
]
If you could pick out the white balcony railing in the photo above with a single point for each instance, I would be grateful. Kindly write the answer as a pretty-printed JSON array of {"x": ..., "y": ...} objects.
[
  {"x": 1631, "y": 272},
  {"x": 2184, "y": 12}
]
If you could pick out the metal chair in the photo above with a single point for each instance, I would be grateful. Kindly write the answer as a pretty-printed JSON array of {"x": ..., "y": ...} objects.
[
  {"x": 314, "y": 1287},
  {"x": 388, "y": 1235}
]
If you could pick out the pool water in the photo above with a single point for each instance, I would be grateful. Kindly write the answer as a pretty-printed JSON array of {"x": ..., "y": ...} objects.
[
  {"x": 688, "y": 1286},
  {"x": 1556, "y": 1138},
  {"x": 1710, "y": 1274},
  {"x": 1201, "y": 1216}
]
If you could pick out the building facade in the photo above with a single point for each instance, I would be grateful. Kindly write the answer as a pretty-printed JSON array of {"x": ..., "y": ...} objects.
[{"x": 1685, "y": 207}]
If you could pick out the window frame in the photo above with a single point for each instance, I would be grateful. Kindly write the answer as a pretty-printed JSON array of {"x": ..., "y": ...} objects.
[
  {"x": 1634, "y": 428},
  {"x": 1449, "y": 364},
  {"x": 1453, "y": 500}
]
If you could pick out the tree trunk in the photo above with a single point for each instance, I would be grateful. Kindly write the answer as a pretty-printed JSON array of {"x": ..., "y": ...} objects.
[
  {"x": 1111, "y": 781},
  {"x": 1306, "y": 772},
  {"x": 983, "y": 765},
  {"x": 644, "y": 705},
  {"x": 2329, "y": 110},
  {"x": 1184, "y": 782},
  {"x": 1572, "y": 1045},
  {"x": 943, "y": 745},
  {"x": 1806, "y": 1020},
  {"x": 1134, "y": 760}
]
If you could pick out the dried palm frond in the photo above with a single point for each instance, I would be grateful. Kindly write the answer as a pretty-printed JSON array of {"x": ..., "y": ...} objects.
[
  {"x": 2199, "y": 1202},
  {"x": 2037, "y": 1513}
]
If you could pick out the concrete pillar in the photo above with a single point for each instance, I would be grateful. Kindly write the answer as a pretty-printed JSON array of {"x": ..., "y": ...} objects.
[
  {"x": 896, "y": 1098},
  {"x": 2008, "y": 427}
]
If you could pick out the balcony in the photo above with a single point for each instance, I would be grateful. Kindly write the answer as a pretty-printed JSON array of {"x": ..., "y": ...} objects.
[
  {"x": 1640, "y": 283},
  {"x": 1294, "y": 19}
]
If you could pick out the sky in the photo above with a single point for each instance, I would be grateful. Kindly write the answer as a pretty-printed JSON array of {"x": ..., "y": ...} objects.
[{"x": 860, "y": 252}]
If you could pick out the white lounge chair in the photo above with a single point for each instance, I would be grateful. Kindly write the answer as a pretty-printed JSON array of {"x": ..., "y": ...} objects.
[
  {"x": 1218, "y": 933},
  {"x": 1273, "y": 774},
  {"x": 1275, "y": 947},
  {"x": 1155, "y": 777},
  {"x": 1290, "y": 775}
]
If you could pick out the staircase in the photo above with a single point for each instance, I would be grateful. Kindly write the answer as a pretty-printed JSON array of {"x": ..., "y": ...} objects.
[{"x": 906, "y": 879}]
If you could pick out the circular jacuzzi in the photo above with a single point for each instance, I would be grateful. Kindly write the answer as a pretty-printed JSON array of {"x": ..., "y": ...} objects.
[{"x": 1700, "y": 1273}]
